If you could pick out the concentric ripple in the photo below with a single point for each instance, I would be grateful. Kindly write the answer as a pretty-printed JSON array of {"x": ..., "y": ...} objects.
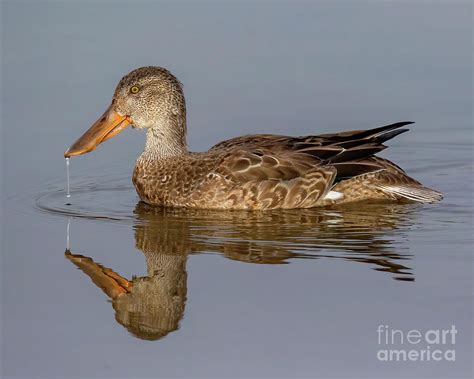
[{"x": 95, "y": 197}]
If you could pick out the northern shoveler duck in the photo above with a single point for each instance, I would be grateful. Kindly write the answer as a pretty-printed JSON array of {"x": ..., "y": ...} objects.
[{"x": 261, "y": 171}]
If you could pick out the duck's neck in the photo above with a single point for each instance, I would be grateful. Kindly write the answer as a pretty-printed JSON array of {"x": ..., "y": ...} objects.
[{"x": 167, "y": 139}]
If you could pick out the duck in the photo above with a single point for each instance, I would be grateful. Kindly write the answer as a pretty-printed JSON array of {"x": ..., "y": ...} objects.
[{"x": 250, "y": 172}]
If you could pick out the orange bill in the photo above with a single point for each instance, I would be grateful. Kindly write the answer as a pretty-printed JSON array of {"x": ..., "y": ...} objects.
[{"x": 107, "y": 126}]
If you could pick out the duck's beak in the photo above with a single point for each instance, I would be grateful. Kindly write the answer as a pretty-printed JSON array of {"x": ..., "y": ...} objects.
[{"x": 107, "y": 126}]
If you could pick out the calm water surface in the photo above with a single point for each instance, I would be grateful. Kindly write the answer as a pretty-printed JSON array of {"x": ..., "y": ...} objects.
[{"x": 100, "y": 285}]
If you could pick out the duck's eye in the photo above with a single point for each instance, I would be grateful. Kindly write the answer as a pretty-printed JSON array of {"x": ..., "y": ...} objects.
[{"x": 135, "y": 89}]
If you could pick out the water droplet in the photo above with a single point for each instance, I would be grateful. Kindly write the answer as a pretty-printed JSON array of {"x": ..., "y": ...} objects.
[
  {"x": 68, "y": 194},
  {"x": 67, "y": 234}
]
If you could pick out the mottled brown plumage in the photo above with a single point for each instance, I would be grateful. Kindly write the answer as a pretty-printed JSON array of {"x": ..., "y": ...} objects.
[{"x": 249, "y": 172}]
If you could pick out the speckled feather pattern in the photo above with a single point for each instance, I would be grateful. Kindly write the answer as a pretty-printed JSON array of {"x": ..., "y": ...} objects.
[{"x": 235, "y": 179}]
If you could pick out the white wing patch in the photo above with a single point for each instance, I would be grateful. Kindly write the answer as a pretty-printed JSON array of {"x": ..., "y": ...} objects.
[{"x": 333, "y": 195}]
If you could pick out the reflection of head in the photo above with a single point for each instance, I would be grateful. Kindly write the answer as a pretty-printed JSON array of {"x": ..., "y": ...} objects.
[
  {"x": 155, "y": 305},
  {"x": 152, "y": 306}
]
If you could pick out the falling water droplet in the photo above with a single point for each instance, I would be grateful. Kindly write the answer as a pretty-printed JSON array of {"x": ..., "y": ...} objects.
[
  {"x": 67, "y": 234},
  {"x": 68, "y": 194}
]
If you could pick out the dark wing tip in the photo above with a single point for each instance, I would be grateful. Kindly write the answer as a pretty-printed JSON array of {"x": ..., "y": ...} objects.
[{"x": 385, "y": 136}]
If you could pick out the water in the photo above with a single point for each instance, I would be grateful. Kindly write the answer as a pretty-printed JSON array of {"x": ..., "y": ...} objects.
[{"x": 100, "y": 285}]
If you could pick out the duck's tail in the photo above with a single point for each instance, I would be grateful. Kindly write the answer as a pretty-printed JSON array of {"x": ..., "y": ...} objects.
[
  {"x": 387, "y": 183},
  {"x": 417, "y": 193}
]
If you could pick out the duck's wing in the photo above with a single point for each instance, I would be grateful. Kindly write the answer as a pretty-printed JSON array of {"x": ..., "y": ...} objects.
[
  {"x": 322, "y": 146},
  {"x": 262, "y": 178},
  {"x": 250, "y": 164},
  {"x": 346, "y": 151}
]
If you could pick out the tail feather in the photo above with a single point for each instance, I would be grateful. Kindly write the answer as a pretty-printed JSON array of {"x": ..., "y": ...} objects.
[{"x": 419, "y": 194}]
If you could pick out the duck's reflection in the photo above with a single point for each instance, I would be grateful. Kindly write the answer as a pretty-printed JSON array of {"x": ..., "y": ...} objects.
[{"x": 152, "y": 306}]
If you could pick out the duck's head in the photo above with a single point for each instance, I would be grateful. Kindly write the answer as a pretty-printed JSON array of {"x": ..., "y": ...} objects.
[{"x": 146, "y": 98}]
